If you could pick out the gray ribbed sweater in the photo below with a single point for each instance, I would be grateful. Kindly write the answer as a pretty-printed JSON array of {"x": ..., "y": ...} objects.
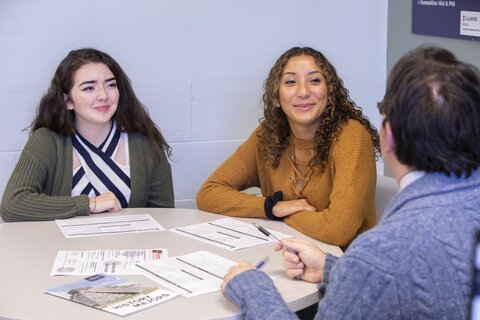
[
  {"x": 41, "y": 184},
  {"x": 415, "y": 264}
]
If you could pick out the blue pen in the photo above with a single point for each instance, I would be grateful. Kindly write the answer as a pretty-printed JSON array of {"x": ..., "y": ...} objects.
[{"x": 261, "y": 263}]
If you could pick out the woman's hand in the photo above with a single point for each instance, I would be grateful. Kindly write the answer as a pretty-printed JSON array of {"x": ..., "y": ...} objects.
[
  {"x": 289, "y": 207},
  {"x": 242, "y": 266},
  {"x": 105, "y": 202}
]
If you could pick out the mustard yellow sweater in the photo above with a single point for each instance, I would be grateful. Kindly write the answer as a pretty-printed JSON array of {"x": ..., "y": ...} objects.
[{"x": 343, "y": 194}]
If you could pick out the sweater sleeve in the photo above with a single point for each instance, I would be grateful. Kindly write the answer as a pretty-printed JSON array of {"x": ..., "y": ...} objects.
[
  {"x": 221, "y": 193},
  {"x": 330, "y": 261},
  {"x": 351, "y": 207},
  {"x": 358, "y": 289},
  {"x": 25, "y": 197},
  {"x": 161, "y": 188},
  {"x": 256, "y": 296}
]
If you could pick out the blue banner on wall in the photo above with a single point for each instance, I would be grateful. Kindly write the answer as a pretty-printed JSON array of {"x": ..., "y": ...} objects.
[{"x": 453, "y": 19}]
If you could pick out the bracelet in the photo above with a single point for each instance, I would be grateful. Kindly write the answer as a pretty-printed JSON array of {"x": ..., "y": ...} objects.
[{"x": 270, "y": 202}]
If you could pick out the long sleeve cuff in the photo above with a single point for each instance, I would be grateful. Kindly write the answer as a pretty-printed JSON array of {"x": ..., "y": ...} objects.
[
  {"x": 330, "y": 260},
  {"x": 255, "y": 294},
  {"x": 270, "y": 202}
]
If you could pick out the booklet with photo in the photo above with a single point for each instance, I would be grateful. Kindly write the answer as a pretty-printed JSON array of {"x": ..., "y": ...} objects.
[{"x": 112, "y": 294}]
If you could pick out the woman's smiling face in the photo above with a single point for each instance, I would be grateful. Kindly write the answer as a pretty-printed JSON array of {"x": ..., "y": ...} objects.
[
  {"x": 303, "y": 94},
  {"x": 94, "y": 95}
]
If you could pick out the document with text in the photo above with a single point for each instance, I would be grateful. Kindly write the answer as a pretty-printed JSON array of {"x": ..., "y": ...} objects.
[
  {"x": 229, "y": 233},
  {"x": 70, "y": 263},
  {"x": 190, "y": 275},
  {"x": 97, "y": 226}
]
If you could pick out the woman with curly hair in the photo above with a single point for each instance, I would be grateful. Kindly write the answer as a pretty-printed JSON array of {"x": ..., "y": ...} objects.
[
  {"x": 313, "y": 156},
  {"x": 93, "y": 147}
]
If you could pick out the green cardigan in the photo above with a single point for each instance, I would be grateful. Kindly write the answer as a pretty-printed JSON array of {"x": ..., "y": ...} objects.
[{"x": 41, "y": 185}]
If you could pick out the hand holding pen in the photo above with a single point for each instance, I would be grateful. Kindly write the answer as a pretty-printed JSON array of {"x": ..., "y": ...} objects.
[
  {"x": 306, "y": 262},
  {"x": 302, "y": 259}
]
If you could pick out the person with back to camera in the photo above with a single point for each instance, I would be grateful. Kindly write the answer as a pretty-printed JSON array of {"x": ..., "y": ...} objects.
[
  {"x": 313, "y": 156},
  {"x": 93, "y": 147},
  {"x": 416, "y": 263}
]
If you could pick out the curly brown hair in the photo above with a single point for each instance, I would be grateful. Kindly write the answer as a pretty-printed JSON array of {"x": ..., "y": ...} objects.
[{"x": 274, "y": 128}]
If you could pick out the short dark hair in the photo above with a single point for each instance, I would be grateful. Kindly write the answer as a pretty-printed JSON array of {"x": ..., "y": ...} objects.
[{"x": 432, "y": 103}]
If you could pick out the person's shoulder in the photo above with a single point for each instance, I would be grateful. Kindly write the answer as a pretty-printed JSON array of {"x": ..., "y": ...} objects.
[
  {"x": 45, "y": 144},
  {"x": 46, "y": 135},
  {"x": 381, "y": 246},
  {"x": 136, "y": 136},
  {"x": 42, "y": 132},
  {"x": 139, "y": 142},
  {"x": 142, "y": 147},
  {"x": 353, "y": 126},
  {"x": 353, "y": 133},
  {"x": 416, "y": 232}
]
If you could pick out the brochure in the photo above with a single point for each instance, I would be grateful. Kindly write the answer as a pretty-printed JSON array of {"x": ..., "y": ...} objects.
[
  {"x": 88, "y": 262},
  {"x": 112, "y": 294}
]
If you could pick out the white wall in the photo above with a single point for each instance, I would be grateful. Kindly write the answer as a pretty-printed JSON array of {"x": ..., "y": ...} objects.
[{"x": 197, "y": 65}]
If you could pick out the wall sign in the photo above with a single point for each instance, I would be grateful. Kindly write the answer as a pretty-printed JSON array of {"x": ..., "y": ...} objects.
[{"x": 443, "y": 18}]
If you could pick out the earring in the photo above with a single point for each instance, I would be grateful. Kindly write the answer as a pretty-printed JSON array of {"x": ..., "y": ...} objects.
[{"x": 277, "y": 106}]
